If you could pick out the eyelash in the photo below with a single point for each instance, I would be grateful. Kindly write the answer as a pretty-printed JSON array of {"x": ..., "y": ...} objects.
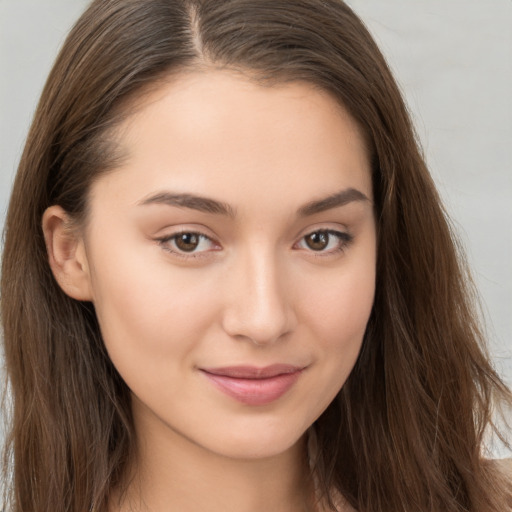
[
  {"x": 171, "y": 239},
  {"x": 345, "y": 239}
]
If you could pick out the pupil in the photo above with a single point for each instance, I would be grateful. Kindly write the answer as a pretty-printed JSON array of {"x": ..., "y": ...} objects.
[
  {"x": 317, "y": 241},
  {"x": 187, "y": 242}
]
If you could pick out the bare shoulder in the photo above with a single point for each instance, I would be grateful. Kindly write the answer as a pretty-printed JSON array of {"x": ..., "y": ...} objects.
[
  {"x": 505, "y": 466},
  {"x": 503, "y": 472}
]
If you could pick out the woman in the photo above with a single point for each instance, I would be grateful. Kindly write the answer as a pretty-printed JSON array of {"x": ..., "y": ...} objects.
[{"x": 228, "y": 282}]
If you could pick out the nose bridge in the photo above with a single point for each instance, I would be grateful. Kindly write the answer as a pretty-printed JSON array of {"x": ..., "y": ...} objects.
[{"x": 258, "y": 307}]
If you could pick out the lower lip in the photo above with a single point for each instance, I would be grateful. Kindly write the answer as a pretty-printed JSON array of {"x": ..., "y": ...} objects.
[{"x": 254, "y": 391}]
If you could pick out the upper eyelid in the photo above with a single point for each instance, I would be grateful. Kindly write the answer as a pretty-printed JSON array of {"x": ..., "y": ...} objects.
[
  {"x": 324, "y": 226},
  {"x": 214, "y": 238},
  {"x": 344, "y": 236},
  {"x": 207, "y": 231},
  {"x": 172, "y": 236},
  {"x": 171, "y": 231}
]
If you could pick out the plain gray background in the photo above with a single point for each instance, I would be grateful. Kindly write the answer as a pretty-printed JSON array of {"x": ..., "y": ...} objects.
[{"x": 453, "y": 60}]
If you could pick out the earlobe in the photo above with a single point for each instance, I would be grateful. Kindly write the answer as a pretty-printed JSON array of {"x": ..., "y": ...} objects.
[{"x": 66, "y": 254}]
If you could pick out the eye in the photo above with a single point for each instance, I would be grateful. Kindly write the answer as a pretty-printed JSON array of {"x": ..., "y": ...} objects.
[
  {"x": 325, "y": 241},
  {"x": 188, "y": 242}
]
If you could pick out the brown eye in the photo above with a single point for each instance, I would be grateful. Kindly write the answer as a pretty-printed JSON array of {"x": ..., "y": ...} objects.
[
  {"x": 187, "y": 242},
  {"x": 317, "y": 241},
  {"x": 325, "y": 242}
]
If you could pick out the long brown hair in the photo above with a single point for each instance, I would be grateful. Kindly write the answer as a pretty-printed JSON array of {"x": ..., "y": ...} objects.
[{"x": 406, "y": 432}]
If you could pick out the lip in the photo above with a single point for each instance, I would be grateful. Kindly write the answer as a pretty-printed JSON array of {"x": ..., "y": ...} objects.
[{"x": 252, "y": 385}]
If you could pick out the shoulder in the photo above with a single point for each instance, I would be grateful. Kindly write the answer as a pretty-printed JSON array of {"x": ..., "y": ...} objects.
[
  {"x": 504, "y": 466},
  {"x": 504, "y": 469}
]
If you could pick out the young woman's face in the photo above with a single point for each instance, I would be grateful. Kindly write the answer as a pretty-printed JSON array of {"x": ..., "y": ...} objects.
[{"x": 232, "y": 260}]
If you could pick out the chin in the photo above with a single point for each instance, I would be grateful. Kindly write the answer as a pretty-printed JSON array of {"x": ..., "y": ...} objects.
[
  {"x": 259, "y": 443},
  {"x": 255, "y": 449}
]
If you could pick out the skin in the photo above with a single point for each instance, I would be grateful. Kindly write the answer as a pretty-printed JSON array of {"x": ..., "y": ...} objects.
[{"x": 253, "y": 292}]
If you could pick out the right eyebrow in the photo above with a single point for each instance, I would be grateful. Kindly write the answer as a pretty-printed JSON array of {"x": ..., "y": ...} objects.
[{"x": 200, "y": 203}]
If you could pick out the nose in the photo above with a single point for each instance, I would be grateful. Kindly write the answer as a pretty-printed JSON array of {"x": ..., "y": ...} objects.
[{"x": 257, "y": 305}]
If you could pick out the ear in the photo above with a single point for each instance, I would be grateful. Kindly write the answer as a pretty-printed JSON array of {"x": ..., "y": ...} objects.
[{"x": 66, "y": 254}]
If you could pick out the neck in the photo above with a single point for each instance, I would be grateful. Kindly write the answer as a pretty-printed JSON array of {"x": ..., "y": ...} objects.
[{"x": 170, "y": 472}]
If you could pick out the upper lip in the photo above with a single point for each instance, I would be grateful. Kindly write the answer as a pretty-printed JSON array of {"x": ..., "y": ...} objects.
[{"x": 253, "y": 372}]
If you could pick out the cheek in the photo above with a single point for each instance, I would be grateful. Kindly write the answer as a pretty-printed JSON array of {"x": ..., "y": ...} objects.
[
  {"x": 345, "y": 310},
  {"x": 147, "y": 308},
  {"x": 338, "y": 309},
  {"x": 339, "y": 305}
]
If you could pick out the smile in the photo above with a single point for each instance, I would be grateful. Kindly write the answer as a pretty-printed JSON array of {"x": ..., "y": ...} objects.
[{"x": 254, "y": 386}]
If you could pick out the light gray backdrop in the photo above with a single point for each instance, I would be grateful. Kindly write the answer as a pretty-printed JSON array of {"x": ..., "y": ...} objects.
[{"x": 453, "y": 59}]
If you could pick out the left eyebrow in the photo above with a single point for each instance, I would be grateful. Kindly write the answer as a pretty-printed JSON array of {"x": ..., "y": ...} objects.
[{"x": 333, "y": 201}]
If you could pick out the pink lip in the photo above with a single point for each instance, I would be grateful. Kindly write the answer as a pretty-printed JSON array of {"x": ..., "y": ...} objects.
[{"x": 254, "y": 386}]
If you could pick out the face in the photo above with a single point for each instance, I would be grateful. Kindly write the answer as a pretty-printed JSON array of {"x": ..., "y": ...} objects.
[{"x": 231, "y": 260}]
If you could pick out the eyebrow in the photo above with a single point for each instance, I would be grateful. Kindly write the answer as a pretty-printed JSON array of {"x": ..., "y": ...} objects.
[
  {"x": 202, "y": 204},
  {"x": 335, "y": 200},
  {"x": 208, "y": 205}
]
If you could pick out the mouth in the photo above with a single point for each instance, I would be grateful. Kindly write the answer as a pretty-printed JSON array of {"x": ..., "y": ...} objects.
[{"x": 251, "y": 385}]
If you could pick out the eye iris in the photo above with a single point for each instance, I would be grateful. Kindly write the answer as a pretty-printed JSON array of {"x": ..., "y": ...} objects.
[
  {"x": 317, "y": 241},
  {"x": 187, "y": 242}
]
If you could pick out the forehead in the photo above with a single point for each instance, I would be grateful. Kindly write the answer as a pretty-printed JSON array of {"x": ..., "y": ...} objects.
[{"x": 220, "y": 133}]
